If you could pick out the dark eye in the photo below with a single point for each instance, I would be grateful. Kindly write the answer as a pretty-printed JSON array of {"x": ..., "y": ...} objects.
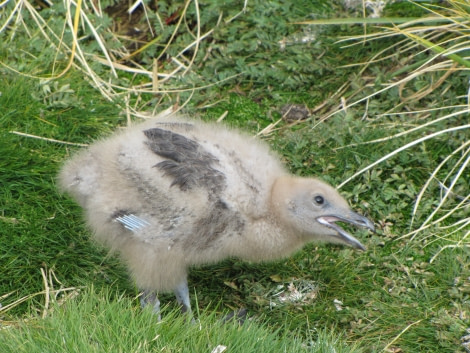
[{"x": 319, "y": 200}]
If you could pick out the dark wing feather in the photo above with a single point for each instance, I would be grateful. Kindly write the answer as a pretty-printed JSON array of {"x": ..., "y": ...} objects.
[
  {"x": 186, "y": 161},
  {"x": 170, "y": 145}
]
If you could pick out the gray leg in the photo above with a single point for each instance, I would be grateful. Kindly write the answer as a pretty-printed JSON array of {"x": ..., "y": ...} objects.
[
  {"x": 182, "y": 296},
  {"x": 149, "y": 298},
  {"x": 238, "y": 315}
]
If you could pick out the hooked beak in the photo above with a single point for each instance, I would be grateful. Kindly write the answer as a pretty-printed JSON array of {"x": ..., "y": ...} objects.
[{"x": 354, "y": 219}]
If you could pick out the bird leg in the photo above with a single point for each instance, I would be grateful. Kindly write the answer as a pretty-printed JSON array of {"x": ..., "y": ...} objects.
[
  {"x": 182, "y": 296},
  {"x": 150, "y": 298},
  {"x": 238, "y": 315}
]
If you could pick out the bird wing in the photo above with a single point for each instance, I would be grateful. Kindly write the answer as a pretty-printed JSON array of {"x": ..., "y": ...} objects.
[
  {"x": 132, "y": 222},
  {"x": 185, "y": 161},
  {"x": 177, "y": 189}
]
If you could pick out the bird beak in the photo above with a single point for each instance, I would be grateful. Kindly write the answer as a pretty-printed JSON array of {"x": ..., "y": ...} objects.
[{"x": 352, "y": 218}]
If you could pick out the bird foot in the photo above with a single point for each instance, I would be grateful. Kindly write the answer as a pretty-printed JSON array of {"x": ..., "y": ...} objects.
[
  {"x": 182, "y": 296},
  {"x": 148, "y": 299},
  {"x": 236, "y": 315}
]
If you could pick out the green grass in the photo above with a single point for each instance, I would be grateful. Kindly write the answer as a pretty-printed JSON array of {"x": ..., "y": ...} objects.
[
  {"x": 35, "y": 219},
  {"x": 99, "y": 323},
  {"x": 390, "y": 297},
  {"x": 383, "y": 290}
]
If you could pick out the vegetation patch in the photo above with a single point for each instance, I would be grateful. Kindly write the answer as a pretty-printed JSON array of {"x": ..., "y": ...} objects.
[{"x": 387, "y": 106}]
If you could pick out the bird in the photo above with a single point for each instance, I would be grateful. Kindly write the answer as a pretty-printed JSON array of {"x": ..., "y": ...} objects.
[{"x": 174, "y": 192}]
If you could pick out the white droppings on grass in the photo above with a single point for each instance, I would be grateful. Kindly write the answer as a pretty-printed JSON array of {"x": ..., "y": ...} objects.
[
  {"x": 338, "y": 304},
  {"x": 219, "y": 349},
  {"x": 296, "y": 291}
]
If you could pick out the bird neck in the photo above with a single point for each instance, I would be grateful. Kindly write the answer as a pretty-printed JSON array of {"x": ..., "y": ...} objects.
[
  {"x": 281, "y": 202},
  {"x": 273, "y": 235},
  {"x": 268, "y": 240}
]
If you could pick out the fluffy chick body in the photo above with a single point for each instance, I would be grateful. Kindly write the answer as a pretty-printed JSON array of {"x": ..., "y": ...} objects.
[{"x": 199, "y": 193}]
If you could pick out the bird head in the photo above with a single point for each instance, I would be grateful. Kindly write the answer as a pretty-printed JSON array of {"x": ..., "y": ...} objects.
[{"x": 312, "y": 208}]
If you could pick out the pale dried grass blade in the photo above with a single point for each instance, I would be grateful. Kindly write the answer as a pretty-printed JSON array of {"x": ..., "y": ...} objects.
[
  {"x": 400, "y": 334},
  {"x": 268, "y": 129},
  {"x": 449, "y": 246},
  {"x": 46, "y": 293},
  {"x": 446, "y": 194},
  {"x": 175, "y": 31},
  {"x": 433, "y": 177},
  {"x": 398, "y": 150},
  {"x": 420, "y": 71},
  {"x": 49, "y": 139},
  {"x": 461, "y": 205},
  {"x": 16, "y": 11},
  {"x": 125, "y": 68},
  {"x": 97, "y": 38},
  {"x": 198, "y": 36},
  {"x": 409, "y": 131}
]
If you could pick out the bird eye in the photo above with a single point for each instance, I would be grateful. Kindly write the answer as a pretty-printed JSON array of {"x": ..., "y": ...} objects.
[{"x": 319, "y": 200}]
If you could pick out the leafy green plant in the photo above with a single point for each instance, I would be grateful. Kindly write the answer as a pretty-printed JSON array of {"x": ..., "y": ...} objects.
[
  {"x": 442, "y": 63},
  {"x": 55, "y": 96}
]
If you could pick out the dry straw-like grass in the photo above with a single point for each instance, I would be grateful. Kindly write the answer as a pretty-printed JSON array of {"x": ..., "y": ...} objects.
[
  {"x": 50, "y": 294},
  {"x": 153, "y": 80}
]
